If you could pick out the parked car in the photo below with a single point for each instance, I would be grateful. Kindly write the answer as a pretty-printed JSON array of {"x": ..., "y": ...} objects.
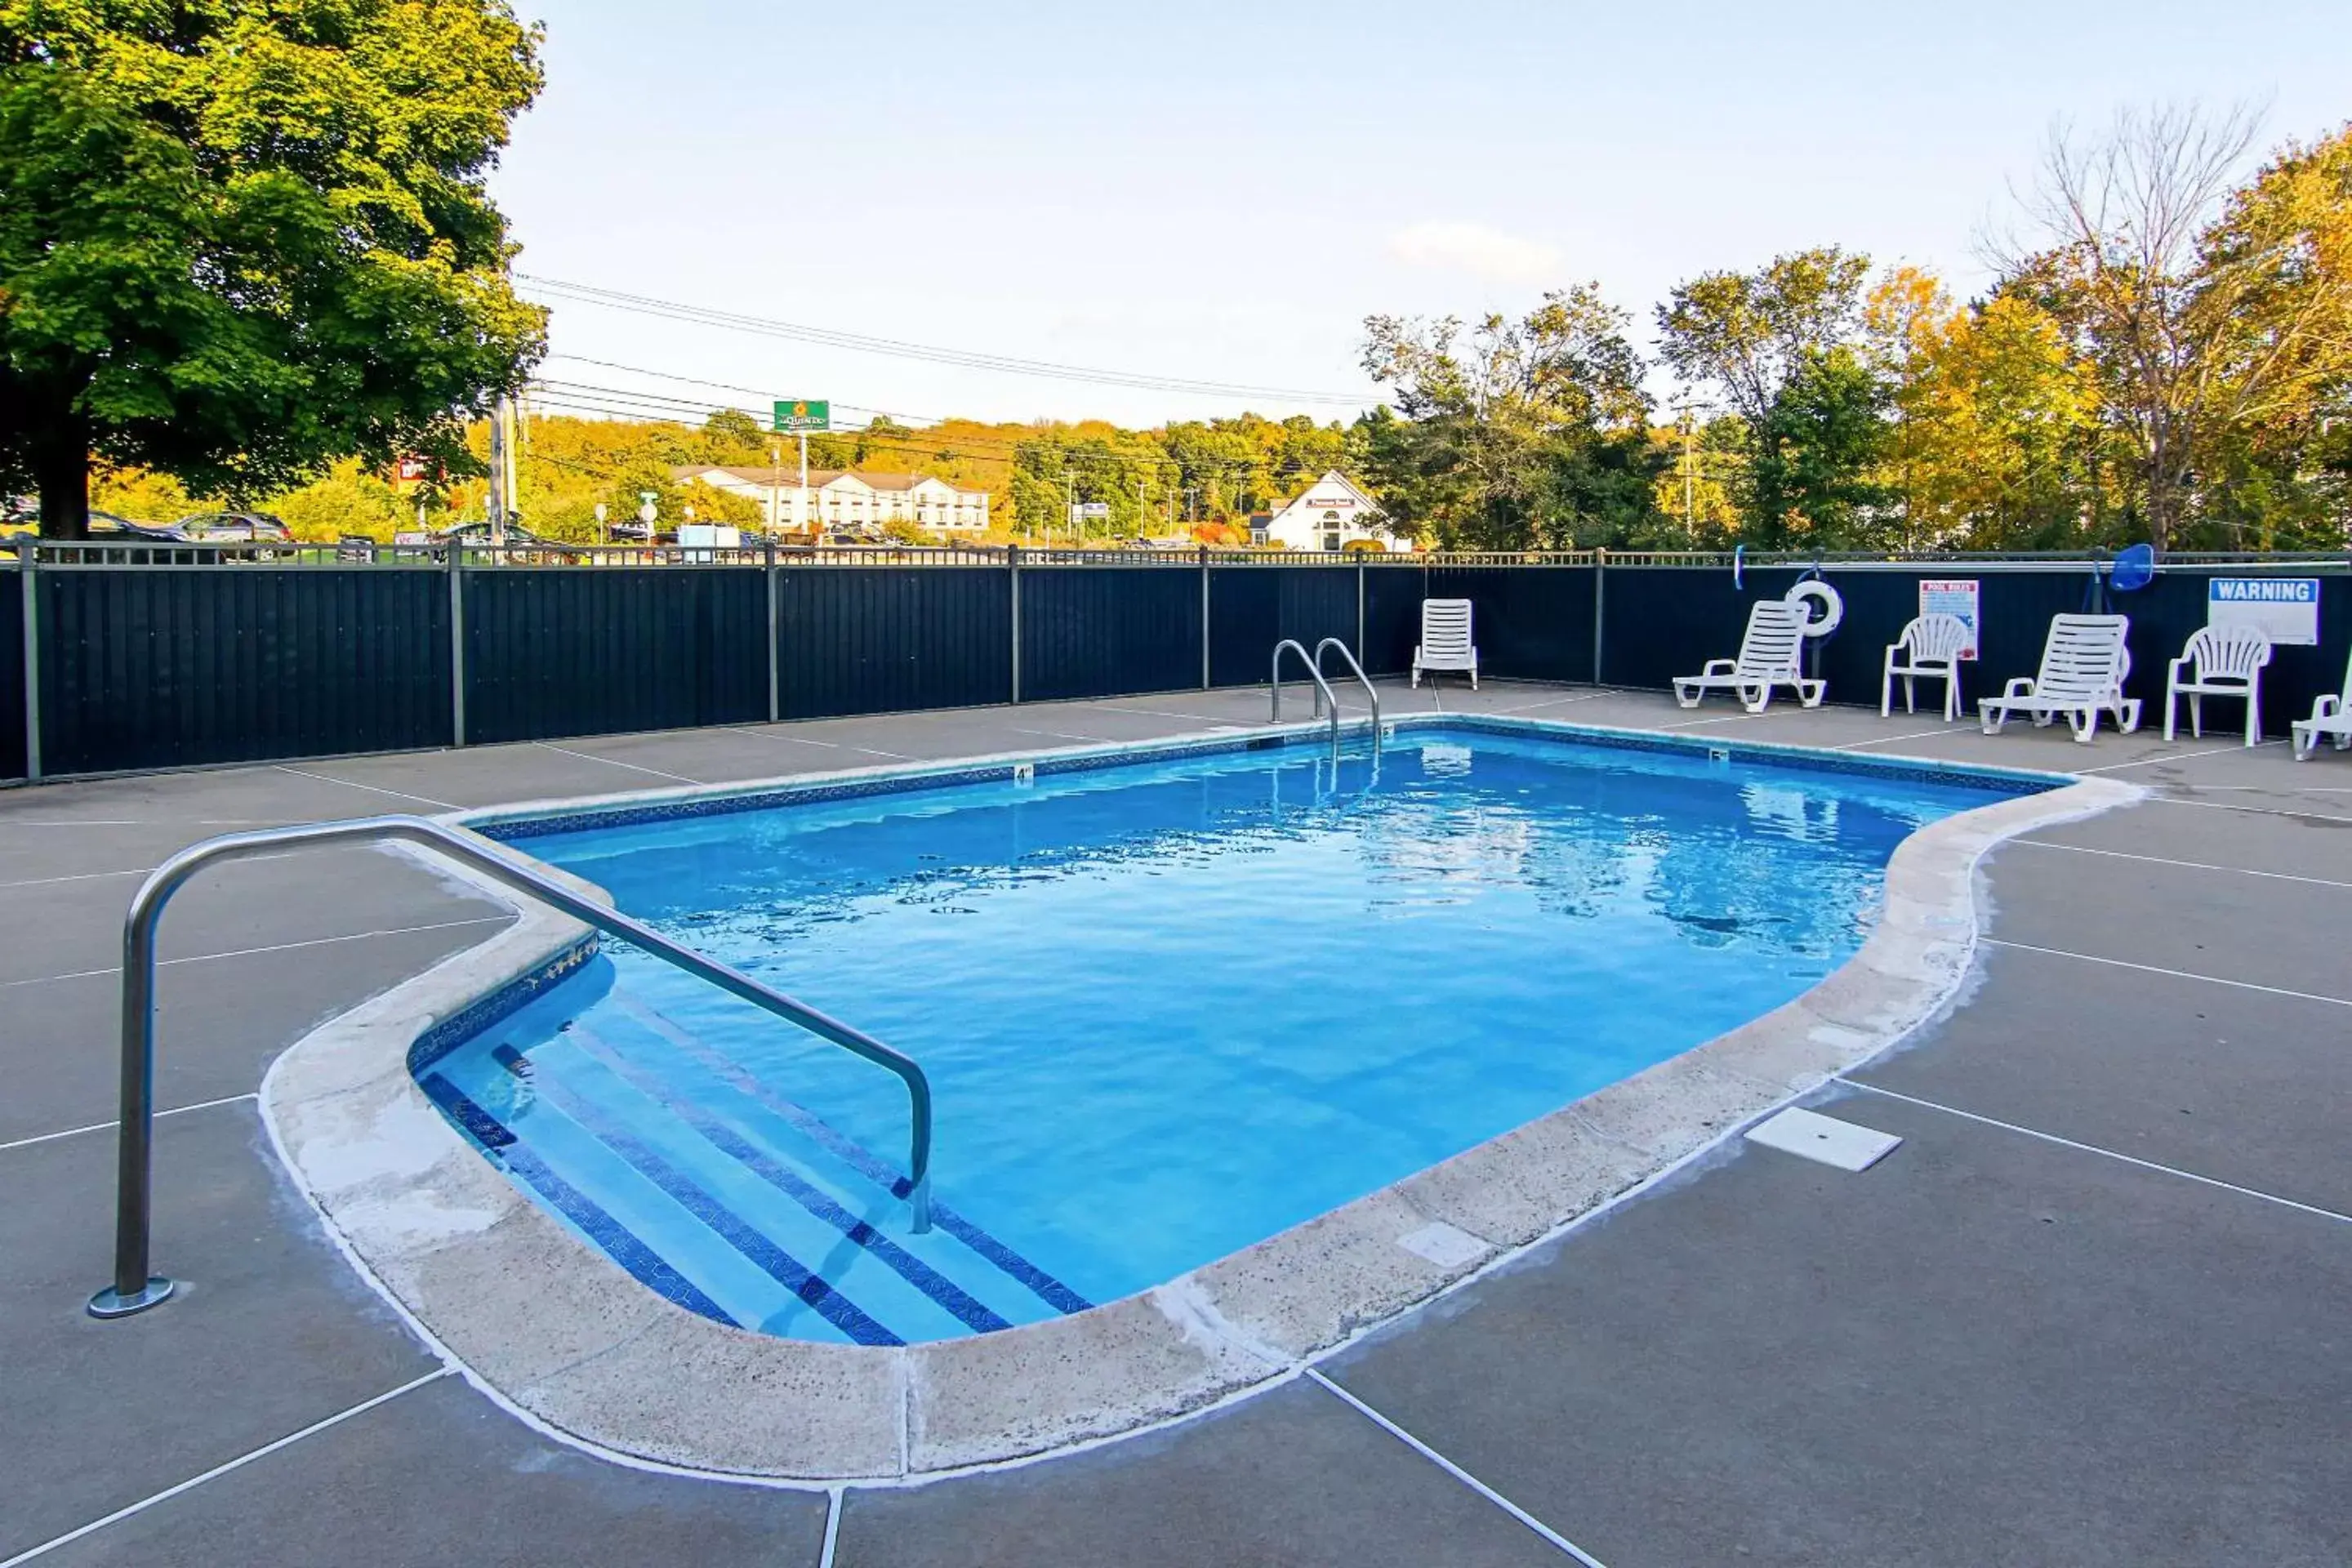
[
  {"x": 233, "y": 528},
  {"x": 107, "y": 527}
]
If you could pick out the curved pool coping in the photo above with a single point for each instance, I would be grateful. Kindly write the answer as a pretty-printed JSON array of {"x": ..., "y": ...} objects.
[{"x": 548, "y": 1326}]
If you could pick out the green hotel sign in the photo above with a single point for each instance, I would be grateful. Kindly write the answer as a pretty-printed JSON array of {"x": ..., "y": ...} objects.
[{"x": 793, "y": 414}]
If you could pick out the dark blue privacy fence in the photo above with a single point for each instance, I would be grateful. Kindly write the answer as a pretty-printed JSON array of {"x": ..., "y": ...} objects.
[{"x": 109, "y": 666}]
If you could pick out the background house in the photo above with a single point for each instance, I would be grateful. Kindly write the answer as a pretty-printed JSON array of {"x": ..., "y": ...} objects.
[
  {"x": 837, "y": 498},
  {"x": 1331, "y": 514}
]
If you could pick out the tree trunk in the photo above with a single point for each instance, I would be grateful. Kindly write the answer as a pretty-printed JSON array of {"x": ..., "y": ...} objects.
[{"x": 61, "y": 470}]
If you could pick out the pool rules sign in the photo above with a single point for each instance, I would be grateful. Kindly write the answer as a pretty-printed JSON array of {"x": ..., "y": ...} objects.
[
  {"x": 2284, "y": 610},
  {"x": 1953, "y": 597}
]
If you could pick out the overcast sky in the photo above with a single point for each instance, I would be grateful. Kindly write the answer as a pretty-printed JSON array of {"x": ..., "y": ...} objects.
[{"x": 1221, "y": 192}]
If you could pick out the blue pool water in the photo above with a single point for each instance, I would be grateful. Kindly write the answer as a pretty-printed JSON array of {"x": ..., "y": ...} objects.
[{"x": 1168, "y": 1008}]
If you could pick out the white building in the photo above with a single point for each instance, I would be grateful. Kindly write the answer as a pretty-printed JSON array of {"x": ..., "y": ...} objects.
[
  {"x": 838, "y": 498},
  {"x": 1332, "y": 514}
]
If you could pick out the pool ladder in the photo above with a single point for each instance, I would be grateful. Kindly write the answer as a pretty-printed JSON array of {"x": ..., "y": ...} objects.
[
  {"x": 134, "y": 1290},
  {"x": 1325, "y": 700}
]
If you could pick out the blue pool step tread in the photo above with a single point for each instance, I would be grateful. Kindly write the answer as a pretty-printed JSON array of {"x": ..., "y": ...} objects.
[
  {"x": 973, "y": 1314},
  {"x": 618, "y": 1241},
  {"x": 646, "y": 1107},
  {"x": 864, "y": 1160},
  {"x": 722, "y": 1220}
]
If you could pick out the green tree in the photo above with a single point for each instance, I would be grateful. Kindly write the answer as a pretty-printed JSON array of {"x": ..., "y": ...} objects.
[
  {"x": 731, "y": 438},
  {"x": 1747, "y": 334},
  {"x": 1815, "y": 472},
  {"x": 240, "y": 238},
  {"x": 1515, "y": 435}
]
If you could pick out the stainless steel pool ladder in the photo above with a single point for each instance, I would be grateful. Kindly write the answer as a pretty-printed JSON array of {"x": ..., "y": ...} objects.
[
  {"x": 1362, "y": 679},
  {"x": 1323, "y": 697},
  {"x": 134, "y": 1290}
]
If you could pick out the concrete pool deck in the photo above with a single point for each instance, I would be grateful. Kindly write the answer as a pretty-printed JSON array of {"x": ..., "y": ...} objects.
[{"x": 2089, "y": 1311}]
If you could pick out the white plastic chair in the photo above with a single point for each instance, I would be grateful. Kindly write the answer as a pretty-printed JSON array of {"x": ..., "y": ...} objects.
[
  {"x": 1931, "y": 647},
  {"x": 1446, "y": 639},
  {"x": 2083, "y": 666},
  {"x": 2219, "y": 661},
  {"x": 1771, "y": 654},
  {"x": 2331, "y": 717}
]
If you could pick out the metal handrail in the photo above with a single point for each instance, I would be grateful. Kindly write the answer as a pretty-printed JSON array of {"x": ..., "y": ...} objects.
[
  {"x": 1323, "y": 694},
  {"x": 134, "y": 1290},
  {"x": 1362, "y": 679}
]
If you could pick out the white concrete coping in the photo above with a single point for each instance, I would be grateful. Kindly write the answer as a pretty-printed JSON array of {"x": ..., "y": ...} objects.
[{"x": 545, "y": 1323}]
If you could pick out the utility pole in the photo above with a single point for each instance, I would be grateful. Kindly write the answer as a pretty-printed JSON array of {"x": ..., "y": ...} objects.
[
  {"x": 1069, "y": 507},
  {"x": 1690, "y": 525},
  {"x": 495, "y": 504}
]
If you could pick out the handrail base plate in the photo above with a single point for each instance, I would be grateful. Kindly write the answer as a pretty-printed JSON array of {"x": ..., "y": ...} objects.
[{"x": 111, "y": 1303}]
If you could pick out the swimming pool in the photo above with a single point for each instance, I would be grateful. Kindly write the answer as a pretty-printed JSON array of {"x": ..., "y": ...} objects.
[{"x": 1169, "y": 1008}]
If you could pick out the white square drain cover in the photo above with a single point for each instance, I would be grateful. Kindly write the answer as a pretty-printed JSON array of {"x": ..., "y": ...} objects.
[
  {"x": 1824, "y": 1138},
  {"x": 1448, "y": 1247}
]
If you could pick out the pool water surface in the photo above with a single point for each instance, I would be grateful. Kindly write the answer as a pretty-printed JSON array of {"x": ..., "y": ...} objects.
[{"x": 1168, "y": 1008}]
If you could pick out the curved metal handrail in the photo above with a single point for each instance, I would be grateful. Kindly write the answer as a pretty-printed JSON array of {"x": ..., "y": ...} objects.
[
  {"x": 134, "y": 1290},
  {"x": 1362, "y": 679},
  {"x": 1322, "y": 688}
]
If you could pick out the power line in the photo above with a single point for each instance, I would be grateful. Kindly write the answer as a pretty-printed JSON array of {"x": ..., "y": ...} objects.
[{"x": 861, "y": 342}]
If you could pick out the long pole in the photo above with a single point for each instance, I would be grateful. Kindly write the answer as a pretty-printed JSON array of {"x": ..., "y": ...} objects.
[
  {"x": 495, "y": 504},
  {"x": 776, "y": 490},
  {"x": 806, "y": 520}
]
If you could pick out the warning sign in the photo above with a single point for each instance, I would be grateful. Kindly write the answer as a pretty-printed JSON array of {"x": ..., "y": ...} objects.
[{"x": 1952, "y": 597}]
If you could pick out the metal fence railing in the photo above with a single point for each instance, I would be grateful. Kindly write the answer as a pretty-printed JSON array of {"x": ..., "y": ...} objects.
[{"x": 122, "y": 656}]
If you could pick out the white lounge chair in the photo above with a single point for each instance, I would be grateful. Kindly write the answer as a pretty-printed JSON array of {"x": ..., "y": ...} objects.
[
  {"x": 2219, "y": 661},
  {"x": 2331, "y": 716},
  {"x": 1931, "y": 647},
  {"x": 2083, "y": 666},
  {"x": 1771, "y": 654},
  {"x": 1446, "y": 639}
]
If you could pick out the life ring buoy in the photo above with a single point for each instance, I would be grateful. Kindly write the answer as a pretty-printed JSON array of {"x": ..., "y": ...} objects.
[{"x": 1813, "y": 591}]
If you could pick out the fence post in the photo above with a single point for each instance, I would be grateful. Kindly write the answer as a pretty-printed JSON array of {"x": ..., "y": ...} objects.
[
  {"x": 1205, "y": 617},
  {"x": 28, "y": 556},
  {"x": 775, "y": 691},
  {"x": 1012, "y": 570},
  {"x": 457, "y": 565},
  {"x": 1359, "y": 609},
  {"x": 1600, "y": 602}
]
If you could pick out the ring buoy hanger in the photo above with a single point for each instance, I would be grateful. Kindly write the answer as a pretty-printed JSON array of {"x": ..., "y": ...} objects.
[{"x": 1815, "y": 591}]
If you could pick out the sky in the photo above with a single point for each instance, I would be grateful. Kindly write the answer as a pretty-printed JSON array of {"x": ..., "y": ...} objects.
[{"x": 1221, "y": 192}]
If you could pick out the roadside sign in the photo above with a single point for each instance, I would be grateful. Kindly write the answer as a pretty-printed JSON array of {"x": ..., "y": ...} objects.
[
  {"x": 1091, "y": 508},
  {"x": 799, "y": 414},
  {"x": 1953, "y": 597},
  {"x": 2284, "y": 610}
]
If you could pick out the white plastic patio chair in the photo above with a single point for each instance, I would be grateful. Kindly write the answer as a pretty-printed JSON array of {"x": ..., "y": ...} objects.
[
  {"x": 2331, "y": 717},
  {"x": 2083, "y": 666},
  {"x": 2219, "y": 661},
  {"x": 1446, "y": 639},
  {"x": 1771, "y": 654},
  {"x": 1931, "y": 647}
]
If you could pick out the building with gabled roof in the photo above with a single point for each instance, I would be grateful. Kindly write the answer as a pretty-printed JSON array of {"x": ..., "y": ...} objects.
[{"x": 1332, "y": 513}]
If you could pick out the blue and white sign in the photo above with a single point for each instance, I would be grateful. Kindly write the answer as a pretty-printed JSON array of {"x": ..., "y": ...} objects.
[{"x": 2284, "y": 610}]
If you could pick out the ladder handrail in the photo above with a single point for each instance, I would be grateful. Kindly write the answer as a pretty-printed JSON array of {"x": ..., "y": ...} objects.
[
  {"x": 1362, "y": 679},
  {"x": 1322, "y": 688},
  {"x": 134, "y": 1290}
]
